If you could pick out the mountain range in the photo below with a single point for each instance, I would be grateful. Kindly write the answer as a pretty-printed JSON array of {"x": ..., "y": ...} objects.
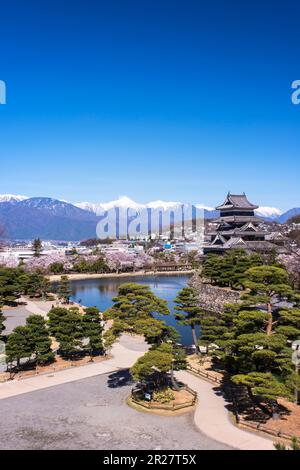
[{"x": 23, "y": 218}]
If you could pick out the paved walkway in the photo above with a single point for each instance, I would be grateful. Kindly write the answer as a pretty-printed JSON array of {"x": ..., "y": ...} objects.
[
  {"x": 212, "y": 418},
  {"x": 41, "y": 307},
  {"x": 16, "y": 316}
]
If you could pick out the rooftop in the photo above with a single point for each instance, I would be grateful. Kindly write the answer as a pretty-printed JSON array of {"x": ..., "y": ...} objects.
[{"x": 236, "y": 201}]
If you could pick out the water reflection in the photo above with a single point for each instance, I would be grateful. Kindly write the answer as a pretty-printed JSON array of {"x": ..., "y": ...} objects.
[{"x": 99, "y": 293}]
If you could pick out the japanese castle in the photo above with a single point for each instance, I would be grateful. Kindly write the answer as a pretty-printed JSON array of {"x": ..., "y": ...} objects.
[{"x": 237, "y": 227}]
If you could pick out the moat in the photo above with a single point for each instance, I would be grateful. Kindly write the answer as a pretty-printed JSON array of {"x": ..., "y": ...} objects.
[{"x": 100, "y": 292}]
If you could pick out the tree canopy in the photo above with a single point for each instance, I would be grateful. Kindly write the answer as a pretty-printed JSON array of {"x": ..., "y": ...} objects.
[
  {"x": 254, "y": 336},
  {"x": 15, "y": 282},
  {"x": 155, "y": 365},
  {"x": 30, "y": 341},
  {"x": 64, "y": 289},
  {"x": 134, "y": 311},
  {"x": 66, "y": 326},
  {"x": 230, "y": 268},
  {"x": 187, "y": 303}
]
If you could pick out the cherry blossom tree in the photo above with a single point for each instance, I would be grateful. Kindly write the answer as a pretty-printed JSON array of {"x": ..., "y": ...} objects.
[{"x": 292, "y": 264}]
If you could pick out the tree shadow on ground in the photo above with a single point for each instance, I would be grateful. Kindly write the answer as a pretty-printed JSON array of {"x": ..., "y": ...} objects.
[
  {"x": 121, "y": 378},
  {"x": 239, "y": 403}
]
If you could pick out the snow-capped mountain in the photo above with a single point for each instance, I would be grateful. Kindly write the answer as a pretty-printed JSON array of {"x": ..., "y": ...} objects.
[
  {"x": 11, "y": 198},
  {"x": 164, "y": 205},
  {"x": 46, "y": 218},
  {"x": 268, "y": 212},
  {"x": 54, "y": 207},
  {"x": 127, "y": 203},
  {"x": 53, "y": 219},
  {"x": 98, "y": 208}
]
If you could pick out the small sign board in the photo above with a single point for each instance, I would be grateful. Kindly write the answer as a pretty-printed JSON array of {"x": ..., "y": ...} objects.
[{"x": 147, "y": 396}]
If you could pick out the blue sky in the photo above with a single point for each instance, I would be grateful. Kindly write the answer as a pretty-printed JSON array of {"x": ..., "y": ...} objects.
[{"x": 174, "y": 100}]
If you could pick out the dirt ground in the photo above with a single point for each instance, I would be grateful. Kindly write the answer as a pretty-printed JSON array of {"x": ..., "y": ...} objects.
[
  {"x": 205, "y": 365},
  {"x": 58, "y": 365},
  {"x": 289, "y": 421}
]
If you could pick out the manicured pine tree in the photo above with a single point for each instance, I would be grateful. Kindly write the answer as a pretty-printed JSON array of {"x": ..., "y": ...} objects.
[
  {"x": 11, "y": 284},
  {"x": 37, "y": 285},
  {"x": 187, "y": 302},
  {"x": 133, "y": 311},
  {"x": 254, "y": 342},
  {"x": 40, "y": 340},
  {"x": 66, "y": 326},
  {"x": 289, "y": 323},
  {"x": 218, "y": 329},
  {"x": 268, "y": 285},
  {"x": 18, "y": 346},
  {"x": 157, "y": 363},
  {"x": 64, "y": 290},
  {"x": 92, "y": 330},
  {"x": 263, "y": 386},
  {"x": 229, "y": 269}
]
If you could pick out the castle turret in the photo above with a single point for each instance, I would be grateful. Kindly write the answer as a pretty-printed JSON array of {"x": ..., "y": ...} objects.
[{"x": 237, "y": 227}]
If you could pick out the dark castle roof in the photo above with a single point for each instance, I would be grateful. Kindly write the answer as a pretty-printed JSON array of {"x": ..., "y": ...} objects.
[{"x": 237, "y": 201}]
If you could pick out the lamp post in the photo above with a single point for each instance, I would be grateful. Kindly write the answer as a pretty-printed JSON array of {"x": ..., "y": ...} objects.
[{"x": 296, "y": 362}]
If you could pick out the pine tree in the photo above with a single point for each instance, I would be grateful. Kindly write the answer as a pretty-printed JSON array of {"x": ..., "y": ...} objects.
[
  {"x": 157, "y": 363},
  {"x": 253, "y": 336},
  {"x": 229, "y": 269},
  {"x": 66, "y": 326},
  {"x": 12, "y": 283},
  {"x": 269, "y": 285},
  {"x": 64, "y": 290},
  {"x": 187, "y": 302},
  {"x": 133, "y": 311},
  {"x": 39, "y": 338},
  {"x": 36, "y": 285},
  {"x": 92, "y": 330},
  {"x": 18, "y": 346}
]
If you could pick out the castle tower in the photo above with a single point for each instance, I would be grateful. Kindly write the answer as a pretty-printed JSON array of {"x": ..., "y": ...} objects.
[{"x": 237, "y": 227}]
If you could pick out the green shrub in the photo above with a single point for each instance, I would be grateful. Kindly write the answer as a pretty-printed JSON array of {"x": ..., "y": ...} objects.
[{"x": 164, "y": 396}]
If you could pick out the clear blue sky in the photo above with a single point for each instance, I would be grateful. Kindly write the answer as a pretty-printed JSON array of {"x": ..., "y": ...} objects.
[{"x": 155, "y": 99}]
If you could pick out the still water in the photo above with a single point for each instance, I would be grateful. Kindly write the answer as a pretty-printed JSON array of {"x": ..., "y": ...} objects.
[{"x": 99, "y": 293}]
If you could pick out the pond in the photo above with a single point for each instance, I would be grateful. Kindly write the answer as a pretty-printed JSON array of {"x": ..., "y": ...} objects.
[{"x": 99, "y": 293}]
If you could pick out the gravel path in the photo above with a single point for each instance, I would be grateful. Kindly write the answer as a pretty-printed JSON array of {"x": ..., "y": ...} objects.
[
  {"x": 16, "y": 316},
  {"x": 92, "y": 414}
]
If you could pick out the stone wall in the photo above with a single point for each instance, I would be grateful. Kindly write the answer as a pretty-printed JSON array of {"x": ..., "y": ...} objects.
[{"x": 213, "y": 298}]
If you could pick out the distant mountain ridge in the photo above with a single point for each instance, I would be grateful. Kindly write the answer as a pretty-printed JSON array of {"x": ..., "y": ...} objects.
[
  {"x": 288, "y": 215},
  {"x": 25, "y": 218},
  {"x": 46, "y": 218},
  {"x": 12, "y": 198}
]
